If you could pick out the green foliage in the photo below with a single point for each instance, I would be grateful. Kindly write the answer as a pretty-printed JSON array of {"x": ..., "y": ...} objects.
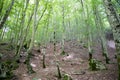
[
  {"x": 1, "y": 55},
  {"x": 64, "y": 53},
  {"x": 36, "y": 79},
  {"x": 36, "y": 20},
  {"x": 49, "y": 15},
  {"x": 96, "y": 65},
  {"x": 66, "y": 77},
  {"x": 6, "y": 69}
]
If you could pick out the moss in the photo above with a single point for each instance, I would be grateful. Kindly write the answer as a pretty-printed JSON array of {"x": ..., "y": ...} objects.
[
  {"x": 66, "y": 77},
  {"x": 6, "y": 69},
  {"x": 92, "y": 64},
  {"x": 29, "y": 67},
  {"x": 64, "y": 53},
  {"x": 85, "y": 46},
  {"x": 96, "y": 65}
]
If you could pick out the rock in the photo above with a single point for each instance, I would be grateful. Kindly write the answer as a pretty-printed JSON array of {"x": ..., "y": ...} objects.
[
  {"x": 33, "y": 65},
  {"x": 79, "y": 73},
  {"x": 68, "y": 57},
  {"x": 111, "y": 44}
]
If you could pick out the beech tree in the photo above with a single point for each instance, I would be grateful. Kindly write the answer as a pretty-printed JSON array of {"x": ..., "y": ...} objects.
[{"x": 114, "y": 21}]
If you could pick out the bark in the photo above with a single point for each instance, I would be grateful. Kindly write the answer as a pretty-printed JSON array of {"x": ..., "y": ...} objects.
[
  {"x": 6, "y": 15},
  {"x": 29, "y": 51},
  {"x": 99, "y": 24},
  {"x": 63, "y": 23},
  {"x": 1, "y": 6},
  {"x": 40, "y": 16},
  {"x": 118, "y": 1},
  {"x": 115, "y": 23}
]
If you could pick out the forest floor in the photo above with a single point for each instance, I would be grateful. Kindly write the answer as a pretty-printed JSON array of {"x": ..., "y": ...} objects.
[{"x": 74, "y": 64}]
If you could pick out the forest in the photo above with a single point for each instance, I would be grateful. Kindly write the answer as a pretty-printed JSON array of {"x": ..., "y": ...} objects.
[{"x": 59, "y": 39}]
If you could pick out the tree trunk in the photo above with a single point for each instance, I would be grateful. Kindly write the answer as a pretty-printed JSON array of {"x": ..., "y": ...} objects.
[
  {"x": 115, "y": 23},
  {"x": 99, "y": 24},
  {"x": 6, "y": 15}
]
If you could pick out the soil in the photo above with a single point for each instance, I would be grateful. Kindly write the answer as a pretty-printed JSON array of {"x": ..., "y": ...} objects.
[{"x": 75, "y": 64}]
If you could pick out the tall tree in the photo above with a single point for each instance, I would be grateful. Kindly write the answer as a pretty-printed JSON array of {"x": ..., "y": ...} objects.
[
  {"x": 6, "y": 14},
  {"x": 100, "y": 29},
  {"x": 29, "y": 51},
  {"x": 114, "y": 21}
]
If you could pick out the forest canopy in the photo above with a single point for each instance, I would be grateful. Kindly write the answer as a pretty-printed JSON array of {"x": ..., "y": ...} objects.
[{"x": 68, "y": 16}]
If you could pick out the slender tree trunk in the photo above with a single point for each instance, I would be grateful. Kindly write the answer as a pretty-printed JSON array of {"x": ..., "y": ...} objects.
[
  {"x": 6, "y": 14},
  {"x": 1, "y": 5},
  {"x": 56, "y": 60},
  {"x": 40, "y": 16},
  {"x": 115, "y": 23},
  {"x": 63, "y": 36},
  {"x": 22, "y": 31},
  {"x": 99, "y": 24},
  {"x": 29, "y": 51}
]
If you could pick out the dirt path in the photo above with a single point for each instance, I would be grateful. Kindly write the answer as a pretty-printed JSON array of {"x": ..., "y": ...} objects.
[{"x": 76, "y": 64}]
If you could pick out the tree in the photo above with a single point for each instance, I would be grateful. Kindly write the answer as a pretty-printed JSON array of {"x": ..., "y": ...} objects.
[
  {"x": 100, "y": 29},
  {"x": 6, "y": 14},
  {"x": 114, "y": 21}
]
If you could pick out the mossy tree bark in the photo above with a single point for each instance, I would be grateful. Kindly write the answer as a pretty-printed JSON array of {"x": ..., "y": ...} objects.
[
  {"x": 23, "y": 32},
  {"x": 114, "y": 20},
  {"x": 100, "y": 29},
  {"x": 6, "y": 13},
  {"x": 88, "y": 32},
  {"x": 56, "y": 60},
  {"x": 1, "y": 6},
  {"x": 63, "y": 23},
  {"x": 29, "y": 51}
]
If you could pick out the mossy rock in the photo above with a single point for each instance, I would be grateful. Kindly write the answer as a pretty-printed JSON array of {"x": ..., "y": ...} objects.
[
  {"x": 84, "y": 45},
  {"x": 6, "y": 69},
  {"x": 66, "y": 77},
  {"x": 64, "y": 53},
  {"x": 96, "y": 65}
]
